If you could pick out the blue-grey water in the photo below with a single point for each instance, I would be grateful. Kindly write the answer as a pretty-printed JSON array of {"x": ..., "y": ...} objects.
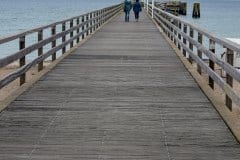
[
  {"x": 220, "y": 17},
  {"x": 18, "y": 15}
]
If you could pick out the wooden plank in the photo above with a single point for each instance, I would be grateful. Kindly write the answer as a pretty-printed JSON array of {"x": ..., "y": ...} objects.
[{"x": 119, "y": 96}]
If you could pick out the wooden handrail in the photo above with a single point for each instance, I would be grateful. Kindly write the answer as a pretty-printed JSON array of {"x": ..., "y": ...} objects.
[
  {"x": 172, "y": 27},
  {"x": 99, "y": 18},
  {"x": 27, "y": 32},
  {"x": 13, "y": 57}
]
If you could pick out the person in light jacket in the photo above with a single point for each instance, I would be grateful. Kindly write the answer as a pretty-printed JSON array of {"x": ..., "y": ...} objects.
[
  {"x": 136, "y": 9},
  {"x": 127, "y": 9}
]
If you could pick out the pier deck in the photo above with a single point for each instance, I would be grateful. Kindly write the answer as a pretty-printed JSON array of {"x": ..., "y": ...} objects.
[{"x": 122, "y": 95}]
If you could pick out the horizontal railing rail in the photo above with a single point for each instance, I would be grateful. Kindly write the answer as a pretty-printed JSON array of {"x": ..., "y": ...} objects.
[
  {"x": 189, "y": 40},
  {"x": 84, "y": 25}
]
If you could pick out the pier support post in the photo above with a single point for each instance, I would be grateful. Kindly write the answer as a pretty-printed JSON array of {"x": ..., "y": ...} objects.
[
  {"x": 71, "y": 33},
  {"x": 97, "y": 24},
  {"x": 229, "y": 79},
  {"x": 175, "y": 32},
  {"x": 153, "y": 5},
  {"x": 147, "y": 7},
  {"x": 196, "y": 10},
  {"x": 78, "y": 21},
  {"x": 87, "y": 25},
  {"x": 179, "y": 35},
  {"x": 211, "y": 63},
  {"x": 64, "y": 37},
  {"x": 22, "y": 61},
  {"x": 191, "y": 45},
  {"x": 54, "y": 43},
  {"x": 83, "y": 34},
  {"x": 40, "y": 50},
  {"x": 99, "y": 18},
  {"x": 94, "y": 22},
  {"x": 91, "y": 22},
  {"x": 199, "y": 53},
  {"x": 184, "y": 39}
]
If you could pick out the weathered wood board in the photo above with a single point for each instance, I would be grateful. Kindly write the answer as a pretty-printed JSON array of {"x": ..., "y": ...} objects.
[{"x": 123, "y": 95}]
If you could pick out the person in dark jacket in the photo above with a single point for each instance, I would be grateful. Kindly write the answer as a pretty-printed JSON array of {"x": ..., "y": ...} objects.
[
  {"x": 127, "y": 9},
  {"x": 136, "y": 9}
]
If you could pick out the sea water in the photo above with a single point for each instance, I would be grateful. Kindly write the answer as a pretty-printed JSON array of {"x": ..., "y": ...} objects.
[
  {"x": 220, "y": 17},
  {"x": 19, "y": 15}
]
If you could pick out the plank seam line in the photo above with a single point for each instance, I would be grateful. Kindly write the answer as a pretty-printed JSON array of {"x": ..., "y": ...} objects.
[
  {"x": 51, "y": 123},
  {"x": 165, "y": 136}
]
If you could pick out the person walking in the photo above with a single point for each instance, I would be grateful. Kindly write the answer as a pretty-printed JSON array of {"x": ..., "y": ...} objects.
[
  {"x": 127, "y": 9},
  {"x": 136, "y": 9}
]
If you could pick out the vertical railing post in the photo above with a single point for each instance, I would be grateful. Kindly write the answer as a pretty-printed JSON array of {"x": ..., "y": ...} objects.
[
  {"x": 91, "y": 23},
  {"x": 147, "y": 7},
  {"x": 104, "y": 16},
  {"x": 229, "y": 79},
  {"x": 100, "y": 18},
  {"x": 211, "y": 63},
  {"x": 191, "y": 45},
  {"x": 78, "y": 22},
  {"x": 64, "y": 37},
  {"x": 153, "y": 5},
  {"x": 53, "y": 42},
  {"x": 175, "y": 33},
  {"x": 71, "y": 33},
  {"x": 199, "y": 53},
  {"x": 87, "y": 25},
  {"x": 22, "y": 61},
  {"x": 184, "y": 39},
  {"x": 97, "y": 19},
  {"x": 83, "y": 28},
  {"x": 171, "y": 29},
  {"x": 168, "y": 33},
  {"x": 40, "y": 50},
  {"x": 179, "y": 35},
  {"x": 94, "y": 22}
]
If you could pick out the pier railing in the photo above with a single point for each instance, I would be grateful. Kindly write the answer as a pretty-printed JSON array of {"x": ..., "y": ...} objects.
[
  {"x": 189, "y": 39},
  {"x": 79, "y": 28}
]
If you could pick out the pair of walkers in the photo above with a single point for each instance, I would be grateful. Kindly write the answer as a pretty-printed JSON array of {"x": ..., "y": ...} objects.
[{"x": 136, "y": 9}]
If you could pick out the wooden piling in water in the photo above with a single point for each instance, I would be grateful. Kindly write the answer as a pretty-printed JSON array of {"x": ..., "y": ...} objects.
[
  {"x": 183, "y": 8},
  {"x": 196, "y": 10}
]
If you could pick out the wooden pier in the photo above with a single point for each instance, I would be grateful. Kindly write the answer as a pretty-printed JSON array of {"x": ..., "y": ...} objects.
[{"x": 124, "y": 94}]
